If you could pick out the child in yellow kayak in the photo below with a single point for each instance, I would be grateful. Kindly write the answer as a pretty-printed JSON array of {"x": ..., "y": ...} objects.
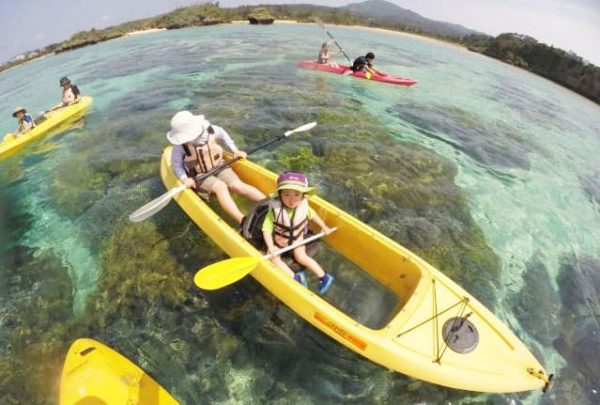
[
  {"x": 26, "y": 122},
  {"x": 287, "y": 222}
]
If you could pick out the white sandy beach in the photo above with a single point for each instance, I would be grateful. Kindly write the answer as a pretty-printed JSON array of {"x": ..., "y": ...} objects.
[
  {"x": 374, "y": 29},
  {"x": 148, "y": 31}
]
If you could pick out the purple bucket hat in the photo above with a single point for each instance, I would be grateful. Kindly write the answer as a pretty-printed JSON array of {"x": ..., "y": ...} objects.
[{"x": 293, "y": 181}]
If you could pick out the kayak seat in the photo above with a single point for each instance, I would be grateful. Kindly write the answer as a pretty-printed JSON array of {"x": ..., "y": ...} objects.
[{"x": 252, "y": 232}]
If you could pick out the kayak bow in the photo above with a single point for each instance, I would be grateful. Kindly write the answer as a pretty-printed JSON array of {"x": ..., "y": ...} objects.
[{"x": 95, "y": 374}]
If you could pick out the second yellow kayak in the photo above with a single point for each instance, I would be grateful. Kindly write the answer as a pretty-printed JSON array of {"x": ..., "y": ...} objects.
[
  {"x": 12, "y": 144},
  {"x": 95, "y": 374}
]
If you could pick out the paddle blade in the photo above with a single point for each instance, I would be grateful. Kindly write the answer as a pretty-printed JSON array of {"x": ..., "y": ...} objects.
[
  {"x": 226, "y": 272},
  {"x": 302, "y": 128},
  {"x": 155, "y": 205}
]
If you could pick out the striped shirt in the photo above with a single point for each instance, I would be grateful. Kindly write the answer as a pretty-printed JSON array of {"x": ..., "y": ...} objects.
[{"x": 178, "y": 153}]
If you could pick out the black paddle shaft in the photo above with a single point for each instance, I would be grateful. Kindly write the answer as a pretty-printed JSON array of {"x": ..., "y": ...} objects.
[
  {"x": 225, "y": 165},
  {"x": 338, "y": 45}
]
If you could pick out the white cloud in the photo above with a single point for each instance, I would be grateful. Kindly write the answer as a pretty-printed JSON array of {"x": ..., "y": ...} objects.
[
  {"x": 105, "y": 17},
  {"x": 39, "y": 36}
]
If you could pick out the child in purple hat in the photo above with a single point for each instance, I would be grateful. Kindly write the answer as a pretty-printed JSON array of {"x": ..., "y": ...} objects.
[{"x": 287, "y": 222}]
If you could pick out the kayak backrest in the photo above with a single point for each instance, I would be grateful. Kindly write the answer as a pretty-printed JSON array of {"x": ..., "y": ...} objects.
[{"x": 252, "y": 227}]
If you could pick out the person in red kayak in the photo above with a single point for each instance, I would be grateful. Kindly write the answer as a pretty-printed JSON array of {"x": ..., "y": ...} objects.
[
  {"x": 325, "y": 53},
  {"x": 287, "y": 222},
  {"x": 365, "y": 64}
]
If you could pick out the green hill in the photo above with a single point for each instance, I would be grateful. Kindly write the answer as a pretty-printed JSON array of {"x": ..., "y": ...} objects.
[{"x": 555, "y": 64}]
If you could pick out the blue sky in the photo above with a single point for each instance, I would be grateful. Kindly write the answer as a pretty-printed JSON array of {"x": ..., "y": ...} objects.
[{"x": 568, "y": 24}]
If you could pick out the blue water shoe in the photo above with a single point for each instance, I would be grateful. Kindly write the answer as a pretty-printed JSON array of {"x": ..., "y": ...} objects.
[
  {"x": 301, "y": 278},
  {"x": 325, "y": 283}
]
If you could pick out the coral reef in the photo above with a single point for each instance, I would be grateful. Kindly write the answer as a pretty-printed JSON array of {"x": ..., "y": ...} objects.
[
  {"x": 137, "y": 272},
  {"x": 493, "y": 145},
  {"x": 536, "y": 304},
  {"x": 579, "y": 338},
  {"x": 36, "y": 325},
  {"x": 75, "y": 186}
]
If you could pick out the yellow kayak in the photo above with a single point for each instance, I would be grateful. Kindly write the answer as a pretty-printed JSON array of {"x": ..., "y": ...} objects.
[
  {"x": 11, "y": 144},
  {"x": 95, "y": 374},
  {"x": 438, "y": 331}
]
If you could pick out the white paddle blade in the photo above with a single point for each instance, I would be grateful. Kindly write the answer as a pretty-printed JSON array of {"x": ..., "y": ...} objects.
[
  {"x": 155, "y": 205},
  {"x": 302, "y": 128}
]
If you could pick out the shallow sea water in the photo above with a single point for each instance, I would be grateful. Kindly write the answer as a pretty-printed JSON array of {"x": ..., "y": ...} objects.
[{"x": 524, "y": 173}]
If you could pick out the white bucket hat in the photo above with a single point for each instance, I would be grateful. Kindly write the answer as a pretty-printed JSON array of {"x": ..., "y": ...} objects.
[{"x": 185, "y": 127}]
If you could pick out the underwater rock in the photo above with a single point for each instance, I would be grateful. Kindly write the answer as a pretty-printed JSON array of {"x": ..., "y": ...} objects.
[
  {"x": 579, "y": 339},
  {"x": 536, "y": 304},
  {"x": 75, "y": 186},
  {"x": 129, "y": 171},
  {"x": 15, "y": 220},
  {"x": 591, "y": 186},
  {"x": 137, "y": 272},
  {"x": 37, "y": 325},
  {"x": 114, "y": 207},
  {"x": 492, "y": 145}
]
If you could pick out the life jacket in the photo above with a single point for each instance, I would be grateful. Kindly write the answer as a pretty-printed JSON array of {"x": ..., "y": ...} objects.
[
  {"x": 202, "y": 158},
  {"x": 286, "y": 230},
  {"x": 23, "y": 124}
]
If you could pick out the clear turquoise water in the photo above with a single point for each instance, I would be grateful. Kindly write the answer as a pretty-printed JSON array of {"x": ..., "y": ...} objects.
[{"x": 525, "y": 151}]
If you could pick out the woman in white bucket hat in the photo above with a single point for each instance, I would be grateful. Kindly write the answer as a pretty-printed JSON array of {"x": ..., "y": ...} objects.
[{"x": 196, "y": 150}]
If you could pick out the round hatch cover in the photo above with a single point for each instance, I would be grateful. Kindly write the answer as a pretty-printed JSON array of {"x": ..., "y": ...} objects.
[{"x": 461, "y": 335}]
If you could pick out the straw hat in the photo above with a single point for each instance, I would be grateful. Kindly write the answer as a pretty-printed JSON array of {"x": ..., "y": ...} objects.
[{"x": 18, "y": 110}]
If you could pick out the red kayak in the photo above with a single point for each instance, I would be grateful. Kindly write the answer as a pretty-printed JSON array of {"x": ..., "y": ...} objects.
[{"x": 341, "y": 69}]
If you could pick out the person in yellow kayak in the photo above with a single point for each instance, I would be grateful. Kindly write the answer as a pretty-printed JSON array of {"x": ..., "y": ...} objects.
[
  {"x": 196, "y": 150},
  {"x": 287, "y": 221},
  {"x": 325, "y": 53},
  {"x": 71, "y": 94},
  {"x": 26, "y": 122},
  {"x": 365, "y": 64}
]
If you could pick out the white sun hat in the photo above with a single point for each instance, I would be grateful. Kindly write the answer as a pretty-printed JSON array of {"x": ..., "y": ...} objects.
[{"x": 185, "y": 127}]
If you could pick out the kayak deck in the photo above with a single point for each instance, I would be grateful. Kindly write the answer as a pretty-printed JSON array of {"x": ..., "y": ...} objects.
[
  {"x": 428, "y": 303},
  {"x": 53, "y": 121},
  {"x": 341, "y": 69},
  {"x": 95, "y": 374}
]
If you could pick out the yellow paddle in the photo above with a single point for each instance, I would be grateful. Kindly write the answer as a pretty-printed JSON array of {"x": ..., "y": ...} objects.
[{"x": 227, "y": 272}]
